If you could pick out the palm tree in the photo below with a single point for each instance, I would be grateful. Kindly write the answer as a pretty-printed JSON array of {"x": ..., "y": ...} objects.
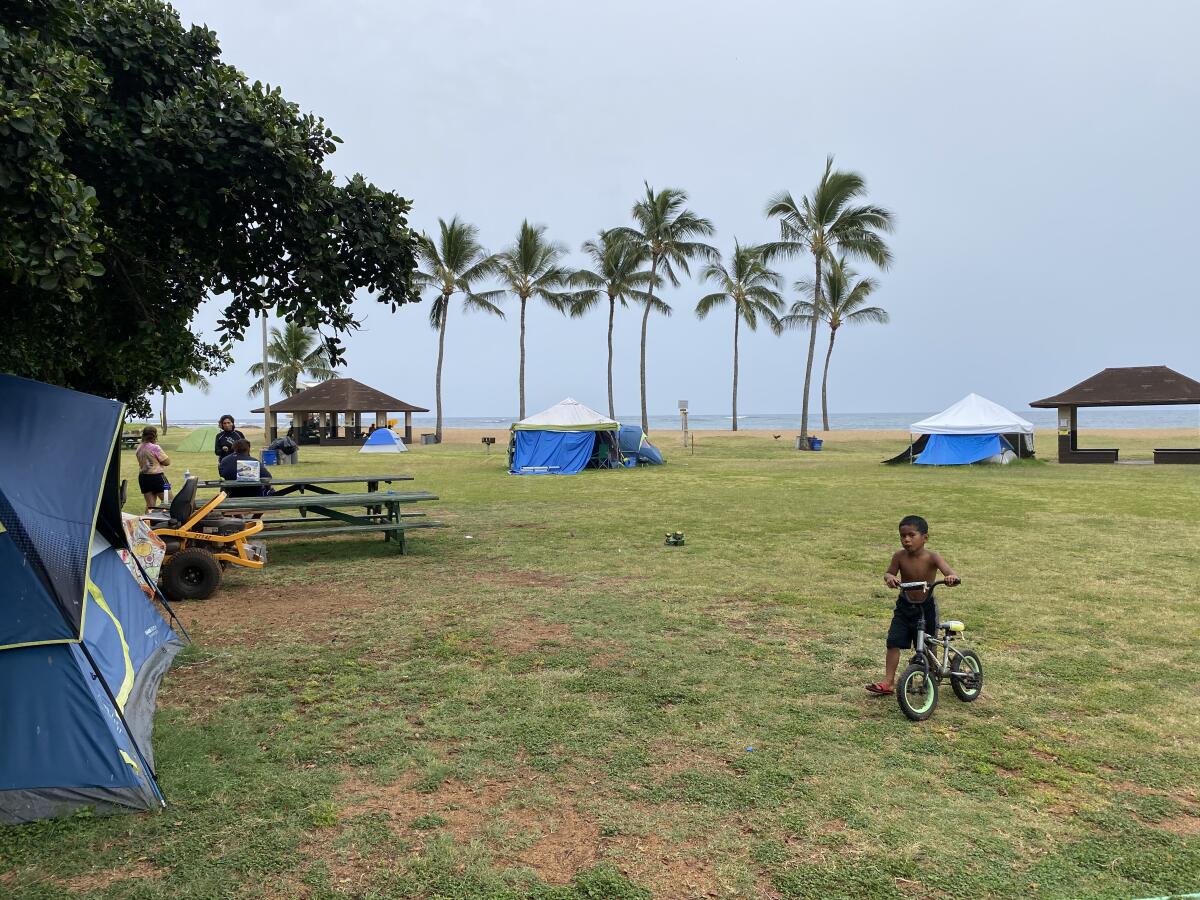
[
  {"x": 828, "y": 223},
  {"x": 841, "y": 303},
  {"x": 291, "y": 352},
  {"x": 453, "y": 265},
  {"x": 529, "y": 268},
  {"x": 751, "y": 287},
  {"x": 195, "y": 380},
  {"x": 618, "y": 276},
  {"x": 664, "y": 233}
]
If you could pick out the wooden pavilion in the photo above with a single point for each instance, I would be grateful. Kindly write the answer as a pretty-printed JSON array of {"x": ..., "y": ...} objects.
[
  {"x": 315, "y": 413},
  {"x": 1136, "y": 386}
]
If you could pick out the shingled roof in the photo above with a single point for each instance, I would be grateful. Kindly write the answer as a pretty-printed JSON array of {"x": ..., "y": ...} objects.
[
  {"x": 342, "y": 395},
  {"x": 1135, "y": 386}
]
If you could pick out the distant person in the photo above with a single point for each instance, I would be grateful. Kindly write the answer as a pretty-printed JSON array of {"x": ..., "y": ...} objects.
[
  {"x": 371, "y": 430},
  {"x": 912, "y": 563},
  {"x": 223, "y": 446},
  {"x": 228, "y": 469},
  {"x": 151, "y": 459}
]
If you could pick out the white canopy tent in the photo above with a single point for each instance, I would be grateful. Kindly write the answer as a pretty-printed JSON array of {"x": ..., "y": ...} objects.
[
  {"x": 972, "y": 430},
  {"x": 973, "y": 415}
]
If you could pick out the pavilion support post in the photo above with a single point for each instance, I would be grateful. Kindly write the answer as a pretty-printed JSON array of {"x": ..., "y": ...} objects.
[{"x": 407, "y": 428}]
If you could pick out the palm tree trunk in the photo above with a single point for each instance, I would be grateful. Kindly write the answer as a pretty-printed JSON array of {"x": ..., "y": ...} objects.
[
  {"x": 612, "y": 311},
  {"x": 737, "y": 320},
  {"x": 437, "y": 428},
  {"x": 163, "y": 417},
  {"x": 645, "y": 320},
  {"x": 825, "y": 381},
  {"x": 812, "y": 346},
  {"x": 522, "y": 379}
]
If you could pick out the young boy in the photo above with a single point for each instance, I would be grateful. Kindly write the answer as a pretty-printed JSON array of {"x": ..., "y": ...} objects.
[{"x": 913, "y": 563}]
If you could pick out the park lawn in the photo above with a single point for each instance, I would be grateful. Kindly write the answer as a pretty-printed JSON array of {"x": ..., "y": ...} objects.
[{"x": 544, "y": 700}]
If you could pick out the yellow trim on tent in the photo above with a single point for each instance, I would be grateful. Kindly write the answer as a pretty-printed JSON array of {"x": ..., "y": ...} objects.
[
  {"x": 127, "y": 682},
  {"x": 125, "y": 756},
  {"x": 87, "y": 568},
  {"x": 39, "y": 643}
]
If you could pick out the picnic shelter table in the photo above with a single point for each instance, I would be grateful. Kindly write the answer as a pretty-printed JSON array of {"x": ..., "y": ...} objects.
[{"x": 326, "y": 513}]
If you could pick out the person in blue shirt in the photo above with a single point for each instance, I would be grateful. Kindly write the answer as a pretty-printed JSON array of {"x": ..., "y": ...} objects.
[{"x": 228, "y": 469}]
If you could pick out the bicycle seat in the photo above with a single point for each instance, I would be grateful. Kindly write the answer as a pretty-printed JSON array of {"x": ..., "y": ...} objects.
[{"x": 953, "y": 625}]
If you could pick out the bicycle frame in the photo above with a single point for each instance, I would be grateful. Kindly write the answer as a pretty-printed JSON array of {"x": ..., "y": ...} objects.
[{"x": 927, "y": 649}]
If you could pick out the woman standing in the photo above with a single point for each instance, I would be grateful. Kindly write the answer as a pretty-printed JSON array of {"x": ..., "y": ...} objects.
[
  {"x": 226, "y": 438},
  {"x": 151, "y": 459}
]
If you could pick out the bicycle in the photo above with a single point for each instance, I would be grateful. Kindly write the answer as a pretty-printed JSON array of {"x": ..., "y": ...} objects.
[{"x": 917, "y": 688}]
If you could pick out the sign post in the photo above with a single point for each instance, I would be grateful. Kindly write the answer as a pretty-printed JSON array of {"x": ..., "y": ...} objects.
[{"x": 683, "y": 405}]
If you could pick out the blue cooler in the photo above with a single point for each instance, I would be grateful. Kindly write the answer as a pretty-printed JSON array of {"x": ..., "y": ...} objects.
[
  {"x": 815, "y": 443},
  {"x": 630, "y": 462},
  {"x": 270, "y": 458}
]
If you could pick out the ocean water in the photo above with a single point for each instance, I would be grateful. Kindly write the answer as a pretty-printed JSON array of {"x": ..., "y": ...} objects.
[{"x": 1108, "y": 418}]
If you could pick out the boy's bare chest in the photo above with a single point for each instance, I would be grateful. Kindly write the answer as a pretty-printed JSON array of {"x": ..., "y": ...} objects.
[{"x": 918, "y": 568}]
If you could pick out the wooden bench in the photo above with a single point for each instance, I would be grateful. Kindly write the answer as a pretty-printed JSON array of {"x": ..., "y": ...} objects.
[
  {"x": 1176, "y": 455},
  {"x": 1091, "y": 455}
]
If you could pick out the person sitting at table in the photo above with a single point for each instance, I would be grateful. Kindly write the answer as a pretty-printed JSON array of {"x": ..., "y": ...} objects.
[{"x": 228, "y": 469}]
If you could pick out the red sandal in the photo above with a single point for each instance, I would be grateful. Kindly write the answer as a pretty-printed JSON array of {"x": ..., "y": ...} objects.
[{"x": 879, "y": 687}]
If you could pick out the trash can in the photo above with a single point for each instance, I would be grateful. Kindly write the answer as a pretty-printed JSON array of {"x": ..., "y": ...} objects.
[
  {"x": 429, "y": 438},
  {"x": 814, "y": 443},
  {"x": 270, "y": 458}
]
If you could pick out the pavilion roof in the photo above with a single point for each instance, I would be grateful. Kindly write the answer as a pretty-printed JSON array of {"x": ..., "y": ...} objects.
[
  {"x": 342, "y": 395},
  {"x": 1134, "y": 386}
]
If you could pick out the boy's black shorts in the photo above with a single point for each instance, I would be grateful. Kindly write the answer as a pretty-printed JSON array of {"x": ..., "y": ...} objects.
[{"x": 907, "y": 617}]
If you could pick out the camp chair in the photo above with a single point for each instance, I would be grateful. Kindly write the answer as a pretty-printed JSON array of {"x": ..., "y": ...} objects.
[{"x": 200, "y": 543}]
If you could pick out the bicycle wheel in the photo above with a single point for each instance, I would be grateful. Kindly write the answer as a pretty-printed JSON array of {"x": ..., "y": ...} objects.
[
  {"x": 917, "y": 693},
  {"x": 968, "y": 689}
]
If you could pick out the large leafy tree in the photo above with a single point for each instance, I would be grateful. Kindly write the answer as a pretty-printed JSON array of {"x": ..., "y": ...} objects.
[
  {"x": 828, "y": 223},
  {"x": 530, "y": 269},
  {"x": 752, "y": 289},
  {"x": 618, "y": 276},
  {"x": 139, "y": 175},
  {"x": 292, "y": 351},
  {"x": 665, "y": 234},
  {"x": 454, "y": 264},
  {"x": 843, "y": 301}
]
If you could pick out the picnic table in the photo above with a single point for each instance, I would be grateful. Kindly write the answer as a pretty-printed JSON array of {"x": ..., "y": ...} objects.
[
  {"x": 329, "y": 513},
  {"x": 285, "y": 486},
  {"x": 130, "y": 441}
]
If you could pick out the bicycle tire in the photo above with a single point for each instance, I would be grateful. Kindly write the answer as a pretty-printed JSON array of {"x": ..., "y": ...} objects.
[
  {"x": 967, "y": 689},
  {"x": 917, "y": 693}
]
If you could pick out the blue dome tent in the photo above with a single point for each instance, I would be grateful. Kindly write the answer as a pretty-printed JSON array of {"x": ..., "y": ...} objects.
[
  {"x": 383, "y": 440},
  {"x": 634, "y": 443},
  {"x": 82, "y": 649}
]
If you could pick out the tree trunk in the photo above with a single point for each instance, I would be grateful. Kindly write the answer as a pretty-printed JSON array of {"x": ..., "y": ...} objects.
[
  {"x": 825, "y": 381},
  {"x": 737, "y": 320},
  {"x": 164, "y": 413},
  {"x": 522, "y": 378},
  {"x": 612, "y": 311},
  {"x": 437, "y": 428},
  {"x": 812, "y": 346},
  {"x": 645, "y": 319}
]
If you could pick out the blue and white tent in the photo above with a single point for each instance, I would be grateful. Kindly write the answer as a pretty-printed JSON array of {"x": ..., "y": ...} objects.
[
  {"x": 82, "y": 649},
  {"x": 562, "y": 440},
  {"x": 383, "y": 440},
  {"x": 972, "y": 430}
]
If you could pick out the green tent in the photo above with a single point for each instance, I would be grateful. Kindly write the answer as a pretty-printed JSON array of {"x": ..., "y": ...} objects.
[{"x": 200, "y": 439}]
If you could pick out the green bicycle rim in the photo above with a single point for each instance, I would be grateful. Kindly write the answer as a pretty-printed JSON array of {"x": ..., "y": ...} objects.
[
  {"x": 970, "y": 662},
  {"x": 929, "y": 695}
]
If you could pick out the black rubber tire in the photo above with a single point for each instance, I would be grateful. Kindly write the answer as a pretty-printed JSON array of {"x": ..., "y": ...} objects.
[
  {"x": 191, "y": 574},
  {"x": 967, "y": 690},
  {"x": 923, "y": 700}
]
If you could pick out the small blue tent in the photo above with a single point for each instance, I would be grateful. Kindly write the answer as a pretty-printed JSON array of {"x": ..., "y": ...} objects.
[
  {"x": 635, "y": 443},
  {"x": 383, "y": 440},
  {"x": 562, "y": 440},
  {"x": 82, "y": 650}
]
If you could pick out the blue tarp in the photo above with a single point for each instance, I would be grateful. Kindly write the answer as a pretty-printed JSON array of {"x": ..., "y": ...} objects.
[
  {"x": 958, "y": 449},
  {"x": 552, "y": 452},
  {"x": 635, "y": 443},
  {"x": 82, "y": 650}
]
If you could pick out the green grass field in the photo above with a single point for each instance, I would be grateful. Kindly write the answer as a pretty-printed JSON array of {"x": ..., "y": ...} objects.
[{"x": 542, "y": 700}]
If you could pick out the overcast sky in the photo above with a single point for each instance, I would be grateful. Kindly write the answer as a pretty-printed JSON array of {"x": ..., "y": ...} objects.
[{"x": 1042, "y": 161}]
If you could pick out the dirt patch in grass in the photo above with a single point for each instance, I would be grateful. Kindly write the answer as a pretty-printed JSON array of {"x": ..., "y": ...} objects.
[
  {"x": 245, "y": 614},
  {"x": 568, "y": 841},
  {"x": 201, "y": 679},
  {"x": 529, "y": 633},
  {"x": 1185, "y": 825},
  {"x": 98, "y": 881},
  {"x": 675, "y": 871},
  {"x": 498, "y": 575},
  {"x": 667, "y": 760}
]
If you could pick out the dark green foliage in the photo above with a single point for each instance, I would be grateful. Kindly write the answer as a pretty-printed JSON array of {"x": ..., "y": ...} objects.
[{"x": 139, "y": 174}]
